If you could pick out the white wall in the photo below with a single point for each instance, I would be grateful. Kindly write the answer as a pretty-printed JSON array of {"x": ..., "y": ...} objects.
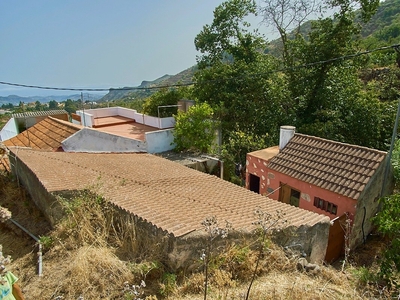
[
  {"x": 160, "y": 141},
  {"x": 9, "y": 130},
  {"x": 89, "y": 115},
  {"x": 168, "y": 122},
  {"x": 90, "y": 140}
]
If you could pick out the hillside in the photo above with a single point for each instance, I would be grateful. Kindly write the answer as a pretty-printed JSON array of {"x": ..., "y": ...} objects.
[
  {"x": 146, "y": 88},
  {"x": 383, "y": 26},
  {"x": 15, "y": 100}
]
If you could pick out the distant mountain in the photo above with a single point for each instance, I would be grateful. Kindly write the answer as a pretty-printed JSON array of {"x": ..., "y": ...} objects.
[
  {"x": 15, "y": 100},
  {"x": 147, "y": 88},
  {"x": 384, "y": 26}
]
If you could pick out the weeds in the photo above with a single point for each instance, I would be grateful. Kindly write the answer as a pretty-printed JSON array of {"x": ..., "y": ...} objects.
[
  {"x": 46, "y": 241},
  {"x": 134, "y": 292},
  {"x": 168, "y": 285},
  {"x": 265, "y": 222},
  {"x": 210, "y": 225},
  {"x": 346, "y": 226}
]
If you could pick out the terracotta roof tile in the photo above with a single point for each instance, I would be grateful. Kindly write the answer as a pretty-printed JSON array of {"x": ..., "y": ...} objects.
[
  {"x": 164, "y": 193},
  {"x": 46, "y": 135},
  {"x": 338, "y": 167}
]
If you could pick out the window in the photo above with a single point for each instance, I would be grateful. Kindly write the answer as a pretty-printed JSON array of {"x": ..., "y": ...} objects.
[{"x": 325, "y": 205}]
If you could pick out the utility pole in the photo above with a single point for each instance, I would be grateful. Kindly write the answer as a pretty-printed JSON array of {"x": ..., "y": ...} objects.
[{"x": 83, "y": 111}]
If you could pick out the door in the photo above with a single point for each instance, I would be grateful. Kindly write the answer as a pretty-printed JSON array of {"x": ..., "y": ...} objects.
[
  {"x": 336, "y": 240},
  {"x": 294, "y": 198},
  {"x": 289, "y": 195},
  {"x": 284, "y": 193},
  {"x": 254, "y": 183}
]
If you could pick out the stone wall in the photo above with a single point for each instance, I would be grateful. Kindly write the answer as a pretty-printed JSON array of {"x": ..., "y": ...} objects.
[
  {"x": 45, "y": 201},
  {"x": 368, "y": 204}
]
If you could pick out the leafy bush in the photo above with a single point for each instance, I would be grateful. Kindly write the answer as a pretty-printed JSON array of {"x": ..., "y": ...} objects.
[
  {"x": 164, "y": 97},
  {"x": 388, "y": 223},
  {"x": 195, "y": 129}
]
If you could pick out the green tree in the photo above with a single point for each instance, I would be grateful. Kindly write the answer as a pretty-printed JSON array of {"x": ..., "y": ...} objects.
[
  {"x": 228, "y": 37},
  {"x": 7, "y": 106},
  {"x": 236, "y": 78},
  {"x": 53, "y": 104},
  {"x": 195, "y": 130},
  {"x": 164, "y": 102},
  {"x": 38, "y": 106},
  {"x": 70, "y": 106},
  {"x": 328, "y": 92},
  {"x": 387, "y": 221},
  {"x": 235, "y": 149}
]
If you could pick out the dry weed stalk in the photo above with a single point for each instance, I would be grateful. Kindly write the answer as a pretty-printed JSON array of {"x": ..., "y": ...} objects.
[
  {"x": 210, "y": 225},
  {"x": 346, "y": 226},
  {"x": 266, "y": 222},
  {"x": 5, "y": 214}
]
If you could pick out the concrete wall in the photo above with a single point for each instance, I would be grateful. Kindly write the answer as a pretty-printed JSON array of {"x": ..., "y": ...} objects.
[
  {"x": 45, "y": 201},
  {"x": 368, "y": 204},
  {"x": 9, "y": 130},
  {"x": 90, "y": 140},
  {"x": 89, "y": 115},
  {"x": 184, "y": 252},
  {"x": 159, "y": 141}
]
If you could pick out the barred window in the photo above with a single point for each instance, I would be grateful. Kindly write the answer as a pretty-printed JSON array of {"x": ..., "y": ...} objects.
[{"x": 325, "y": 205}]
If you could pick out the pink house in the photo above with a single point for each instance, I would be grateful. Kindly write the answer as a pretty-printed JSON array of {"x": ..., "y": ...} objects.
[{"x": 323, "y": 176}]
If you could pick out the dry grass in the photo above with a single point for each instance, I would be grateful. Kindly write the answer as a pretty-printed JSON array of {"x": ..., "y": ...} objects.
[{"x": 90, "y": 257}]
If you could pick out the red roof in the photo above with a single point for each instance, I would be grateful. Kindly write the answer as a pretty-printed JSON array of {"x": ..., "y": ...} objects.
[
  {"x": 341, "y": 168},
  {"x": 166, "y": 194}
]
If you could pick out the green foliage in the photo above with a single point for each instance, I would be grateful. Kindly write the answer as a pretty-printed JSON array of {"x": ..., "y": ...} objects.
[
  {"x": 7, "y": 106},
  {"x": 388, "y": 223},
  {"x": 364, "y": 275},
  {"x": 168, "y": 285},
  {"x": 238, "y": 144},
  {"x": 46, "y": 241},
  {"x": 164, "y": 97},
  {"x": 53, "y": 104},
  {"x": 227, "y": 36},
  {"x": 396, "y": 161},
  {"x": 195, "y": 129},
  {"x": 70, "y": 106}
]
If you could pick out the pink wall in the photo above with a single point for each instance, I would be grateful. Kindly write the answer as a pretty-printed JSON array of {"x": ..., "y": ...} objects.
[{"x": 270, "y": 181}]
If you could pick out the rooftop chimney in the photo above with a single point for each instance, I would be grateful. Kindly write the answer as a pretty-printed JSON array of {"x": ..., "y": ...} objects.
[{"x": 286, "y": 133}]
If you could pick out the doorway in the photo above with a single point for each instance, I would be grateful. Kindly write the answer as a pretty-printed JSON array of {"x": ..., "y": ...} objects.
[
  {"x": 289, "y": 195},
  {"x": 254, "y": 183}
]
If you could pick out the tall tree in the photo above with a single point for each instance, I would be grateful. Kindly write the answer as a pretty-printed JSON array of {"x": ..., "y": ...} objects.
[
  {"x": 287, "y": 16},
  {"x": 53, "y": 104},
  {"x": 228, "y": 35},
  {"x": 235, "y": 77}
]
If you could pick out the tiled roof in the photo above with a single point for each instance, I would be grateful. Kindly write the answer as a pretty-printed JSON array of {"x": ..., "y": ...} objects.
[
  {"x": 341, "y": 168},
  {"x": 166, "y": 194},
  {"x": 39, "y": 113},
  {"x": 47, "y": 134}
]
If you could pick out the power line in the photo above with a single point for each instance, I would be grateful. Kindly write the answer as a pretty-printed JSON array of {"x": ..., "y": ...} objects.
[{"x": 396, "y": 47}]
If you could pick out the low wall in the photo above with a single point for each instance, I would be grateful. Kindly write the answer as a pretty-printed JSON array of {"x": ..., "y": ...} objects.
[
  {"x": 184, "y": 252},
  {"x": 90, "y": 140},
  {"x": 45, "y": 201},
  {"x": 89, "y": 115},
  {"x": 160, "y": 141},
  {"x": 9, "y": 130}
]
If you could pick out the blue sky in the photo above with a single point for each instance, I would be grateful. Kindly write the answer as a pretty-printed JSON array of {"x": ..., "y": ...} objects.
[{"x": 97, "y": 44}]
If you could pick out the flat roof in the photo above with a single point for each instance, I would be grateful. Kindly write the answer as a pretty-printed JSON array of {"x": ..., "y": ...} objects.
[
  {"x": 123, "y": 126},
  {"x": 265, "y": 154}
]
